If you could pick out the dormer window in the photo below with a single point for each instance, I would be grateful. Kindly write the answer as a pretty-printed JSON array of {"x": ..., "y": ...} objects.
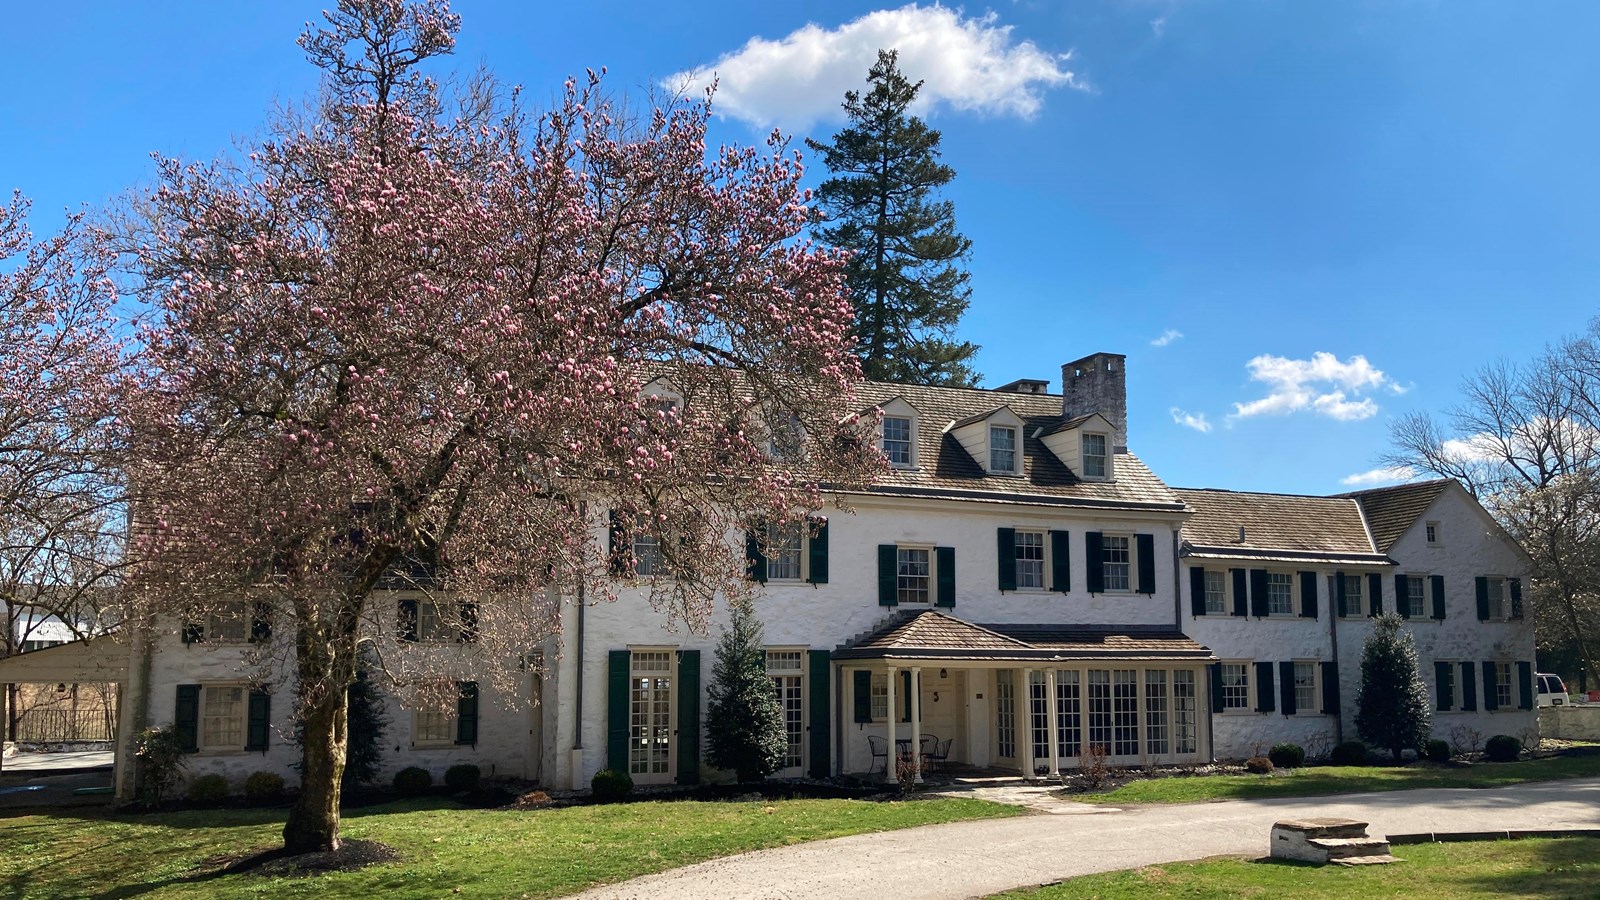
[
  {"x": 897, "y": 440},
  {"x": 1094, "y": 455},
  {"x": 1002, "y": 448},
  {"x": 786, "y": 440}
]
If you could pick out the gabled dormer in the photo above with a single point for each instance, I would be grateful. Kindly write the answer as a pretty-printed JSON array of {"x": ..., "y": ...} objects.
[
  {"x": 898, "y": 433},
  {"x": 1084, "y": 444},
  {"x": 661, "y": 396},
  {"x": 993, "y": 438}
]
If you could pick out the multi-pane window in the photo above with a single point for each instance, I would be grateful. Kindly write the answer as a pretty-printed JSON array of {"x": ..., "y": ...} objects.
[
  {"x": 1094, "y": 456},
  {"x": 647, "y": 558},
  {"x": 229, "y": 623},
  {"x": 1100, "y": 709},
  {"x": 783, "y": 552},
  {"x": 1069, "y": 722},
  {"x": 880, "y": 698},
  {"x": 1433, "y": 532},
  {"x": 650, "y": 719},
  {"x": 1030, "y": 560},
  {"x": 786, "y": 668},
  {"x": 1125, "y": 712},
  {"x": 1216, "y": 592},
  {"x": 897, "y": 440},
  {"x": 1185, "y": 712},
  {"x": 1354, "y": 604},
  {"x": 433, "y": 726},
  {"x": 914, "y": 574},
  {"x": 1005, "y": 714},
  {"x": 438, "y": 622},
  {"x": 222, "y": 717},
  {"x": 1235, "y": 686},
  {"x": 1155, "y": 712},
  {"x": 1413, "y": 599},
  {"x": 1116, "y": 561},
  {"x": 1497, "y": 597},
  {"x": 1002, "y": 448},
  {"x": 1280, "y": 594},
  {"x": 1502, "y": 685},
  {"x": 1305, "y": 686},
  {"x": 787, "y": 439},
  {"x": 1039, "y": 715}
]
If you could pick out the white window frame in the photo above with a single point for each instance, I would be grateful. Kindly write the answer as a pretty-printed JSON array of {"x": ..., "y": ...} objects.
[
  {"x": 1044, "y": 559},
  {"x": 931, "y": 575},
  {"x": 801, "y": 561},
  {"x": 1132, "y": 563},
  {"x": 1015, "y": 450},
  {"x": 1220, "y": 578},
  {"x": 786, "y": 442},
  {"x": 1505, "y": 689},
  {"x": 1431, "y": 532},
  {"x": 438, "y": 621},
  {"x": 1313, "y": 707},
  {"x": 790, "y": 662},
  {"x": 878, "y": 698},
  {"x": 648, "y": 560},
  {"x": 1246, "y": 669},
  {"x": 1359, "y": 609},
  {"x": 1499, "y": 608},
  {"x": 229, "y": 622},
  {"x": 1288, "y": 600},
  {"x": 1104, "y": 456},
  {"x": 242, "y": 716},
  {"x": 910, "y": 441},
  {"x": 1420, "y": 610},
  {"x": 438, "y": 720}
]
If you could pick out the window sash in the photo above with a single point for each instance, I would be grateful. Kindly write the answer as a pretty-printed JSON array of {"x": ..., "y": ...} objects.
[
  {"x": 647, "y": 558},
  {"x": 434, "y": 726},
  {"x": 1235, "y": 686},
  {"x": 1117, "y": 559},
  {"x": 880, "y": 698},
  {"x": 914, "y": 574},
  {"x": 1503, "y": 686},
  {"x": 783, "y": 552},
  {"x": 438, "y": 622},
  {"x": 1002, "y": 449},
  {"x": 1497, "y": 598},
  {"x": 1280, "y": 594},
  {"x": 1305, "y": 686},
  {"x": 222, "y": 710},
  {"x": 1094, "y": 456},
  {"x": 1185, "y": 709},
  {"x": 1415, "y": 595},
  {"x": 1030, "y": 560},
  {"x": 229, "y": 623},
  {"x": 897, "y": 440},
  {"x": 1216, "y": 592}
]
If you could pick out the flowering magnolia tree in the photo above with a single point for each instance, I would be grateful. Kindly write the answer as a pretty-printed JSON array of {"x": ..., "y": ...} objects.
[{"x": 403, "y": 343}]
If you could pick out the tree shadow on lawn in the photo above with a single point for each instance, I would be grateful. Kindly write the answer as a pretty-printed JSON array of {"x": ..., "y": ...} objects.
[{"x": 1562, "y": 867}]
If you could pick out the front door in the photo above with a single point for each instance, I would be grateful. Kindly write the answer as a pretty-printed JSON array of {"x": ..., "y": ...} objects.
[
  {"x": 787, "y": 670},
  {"x": 651, "y": 713}
]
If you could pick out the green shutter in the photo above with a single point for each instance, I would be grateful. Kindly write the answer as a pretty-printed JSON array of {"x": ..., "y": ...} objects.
[
  {"x": 1258, "y": 593},
  {"x": 755, "y": 562},
  {"x": 261, "y": 622},
  {"x": 1516, "y": 597},
  {"x": 945, "y": 577},
  {"x": 861, "y": 695},
  {"x": 1197, "y": 591},
  {"x": 1094, "y": 554},
  {"x": 818, "y": 690},
  {"x": 1286, "y": 687},
  {"x": 1469, "y": 687},
  {"x": 1339, "y": 594},
  {"x": 1241, "y": 599},
  {"x": 1147, "y": 562},
  {"x": 689, "y": 717},
  {"x": 1216, "y": 687},
  {"x": 258, "y": 722},
  {"x": 888, "y": 575},
  {"x": 186, "y": 718},
  {"x": 467, "y": 713},
  {"x": 1525, "y": 685},
  {"x": 1436, "y": 582},
  {"x": 1444, "y": 685},
  {"x": 617, "y": 549},
  {"x": 469, "y": 622},
  {"x": 1375, "y": 594},
  {"x": 1264, "y": 698},
  {"x": 905, "y": 695},
  {"x": 1308, "y": 595},
  {"x": 406, "y": 620},
  {"x": 1330, "y": 689},
  {"x": 1491, "y": 697},
  {"x": 818, "y": 550},
  {"x": 619, "y": 662},
  {"x": 1402, "y": 596},
  {"x": 1060, "y": 562},
  {"x": 1006, "y": 555},
  {"x": 1482, "y": 584}
]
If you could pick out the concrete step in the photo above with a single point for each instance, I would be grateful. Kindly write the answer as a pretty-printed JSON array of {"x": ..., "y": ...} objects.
[
  {"x": 1348, "y": 848},
  {"x": 1324, "y": 828},
  {"x": 1383, "y": 860}
]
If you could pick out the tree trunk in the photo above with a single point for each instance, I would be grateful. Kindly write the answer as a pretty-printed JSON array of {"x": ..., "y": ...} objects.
[{"x": 314, "y": 821}]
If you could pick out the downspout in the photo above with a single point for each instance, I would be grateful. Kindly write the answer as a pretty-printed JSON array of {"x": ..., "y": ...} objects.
[
  {"x": 1333, "y": 643},
  {"x": 1177, "y": 583}
]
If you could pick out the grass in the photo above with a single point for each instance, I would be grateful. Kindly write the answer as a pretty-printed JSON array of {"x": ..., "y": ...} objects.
[
  {"x": 1319, "y": 780},
  {"x": 444, "y": 848},
  {"x": 1544, "y": 868}
]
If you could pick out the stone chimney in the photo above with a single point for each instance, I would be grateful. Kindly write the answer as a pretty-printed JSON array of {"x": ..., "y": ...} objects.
[{"x": 1098, "y": 384}]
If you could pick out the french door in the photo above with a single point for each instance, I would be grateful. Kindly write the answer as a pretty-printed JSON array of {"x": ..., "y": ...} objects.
[
  {"x": 651, "y": 717},
  {"x": 787, "y": 670}
]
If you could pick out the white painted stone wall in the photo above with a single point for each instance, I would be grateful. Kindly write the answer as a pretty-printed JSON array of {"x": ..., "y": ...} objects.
[{"x": 1571, "y": 723}]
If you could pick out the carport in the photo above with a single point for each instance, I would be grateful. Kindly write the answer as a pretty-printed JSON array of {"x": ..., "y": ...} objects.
[{"x": 101, "y": 659}]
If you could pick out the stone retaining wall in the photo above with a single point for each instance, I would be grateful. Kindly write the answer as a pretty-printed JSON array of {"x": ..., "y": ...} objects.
[{"x": 1570, "y": 723}]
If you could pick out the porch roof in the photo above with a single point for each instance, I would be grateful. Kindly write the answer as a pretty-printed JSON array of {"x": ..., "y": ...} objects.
[
  {"x": 933, "y": 635},
  {"x": 103, "y": 658}
]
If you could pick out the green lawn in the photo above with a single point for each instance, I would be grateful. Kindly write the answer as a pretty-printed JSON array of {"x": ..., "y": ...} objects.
[
  {"x": 1316, "y": 780},
  {"x": 484, "y": 853},
  {"x": 1563, "y": 867}
]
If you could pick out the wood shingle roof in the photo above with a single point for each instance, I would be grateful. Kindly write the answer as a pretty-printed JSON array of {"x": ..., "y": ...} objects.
[
  {"x": 1390, "y": 511},
  {"x": 1276, "y": 526},
  {"x": 933, "y": 635}
]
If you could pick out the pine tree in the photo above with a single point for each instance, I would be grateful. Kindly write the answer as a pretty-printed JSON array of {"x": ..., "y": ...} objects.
[
  {"x": 744, "y": 721},
  {"x": 1392, "y": 703},
  {"x": 906, "y": 273},
  {"x": 367, "y": 720}
]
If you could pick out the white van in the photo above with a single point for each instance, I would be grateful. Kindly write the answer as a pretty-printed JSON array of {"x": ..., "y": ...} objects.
[{"x": 1552, "y": 691}]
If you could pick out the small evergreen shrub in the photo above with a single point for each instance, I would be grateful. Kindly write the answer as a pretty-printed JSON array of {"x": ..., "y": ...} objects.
[
  {"x": 263, "y": 787},
  {"x": 208, "y": 790},
  {"x": 610, "y": 786},
  {"x": 463, "y": 777},
  {"x": 1258, "y": 765},
  {"x": 744, "y": 721},
  {"x": 1349, "y": 753},
  {"x": 412, "y": 781},
  {"x": 1287, "y": 756},
  {"x": 1502, "y": 748},
  {"x": 1436, "y": 750},
  {"x": 160, "y": 759}
]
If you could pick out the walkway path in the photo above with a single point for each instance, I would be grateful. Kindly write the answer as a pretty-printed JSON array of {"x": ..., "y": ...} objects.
[{"x": 973, "y": 859}]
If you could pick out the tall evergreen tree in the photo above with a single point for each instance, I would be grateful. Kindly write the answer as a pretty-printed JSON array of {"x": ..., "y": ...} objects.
[
  {"x": 744, "y": 721},
  {"x": 906, "y": 274},
  {"x": 1392, "y": 703}
]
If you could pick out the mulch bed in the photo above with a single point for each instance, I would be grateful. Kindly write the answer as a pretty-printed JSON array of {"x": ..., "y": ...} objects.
[{"x": 350, "y": 856}]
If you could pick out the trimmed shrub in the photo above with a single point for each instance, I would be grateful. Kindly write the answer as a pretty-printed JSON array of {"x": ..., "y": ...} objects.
[
  {"x": 1502, "y": 748},
  {"x": 610, "y": 786},
  {"x": 412, "y": 781},
  {"x": 263, "y": 787},
  {"x": 1258, "y": 765},
  {"x": 1349, "y": 753},
  {"x": 1287, "y": 756},
  {"x": 1436, "y": 750},
  {"x": 208, "y": 790},
  {"x": 463, "y": 777},
  {"x": 160, "y": 758}
]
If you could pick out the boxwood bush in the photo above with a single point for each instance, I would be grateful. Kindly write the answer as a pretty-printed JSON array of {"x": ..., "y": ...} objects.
[
  {"x": 1502, "y": 748},
  {"x": 263, "y": 787},
  {"x": 412, "y": 781},
  {"x": 1287, "y": 756},
  {"x": 462, "y": 777},
  {"x": 1436, "y": 750},
  {"x": 610, "y": 786},
  {"x": 1349, "y": 753},
  {"x": 208, "y": 790}
]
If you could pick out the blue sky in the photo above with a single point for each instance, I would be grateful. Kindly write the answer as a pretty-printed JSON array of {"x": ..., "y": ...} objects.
[{"x": 1410, "y": 183}]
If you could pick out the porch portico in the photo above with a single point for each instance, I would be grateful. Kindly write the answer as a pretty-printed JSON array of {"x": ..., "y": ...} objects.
[{"x": 1037, "y": 699}]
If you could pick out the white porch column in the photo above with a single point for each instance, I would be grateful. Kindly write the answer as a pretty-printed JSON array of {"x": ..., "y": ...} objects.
[
  {"x": 890, "y": 765},
  {"x": 916, "y": 723},
  {"x": 1052, "y": 730},
  {"x": 1025, "y": 727}
]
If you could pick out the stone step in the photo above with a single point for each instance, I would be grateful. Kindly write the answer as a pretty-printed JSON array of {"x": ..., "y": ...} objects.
[
  {"x": 1383, "y": 860},
  {"x": 1324, "y": 828},
  {"x": 1347, "y": 848}
]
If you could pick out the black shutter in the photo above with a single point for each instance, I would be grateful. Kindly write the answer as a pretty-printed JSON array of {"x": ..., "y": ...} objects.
[
  {"x": 689, "y": 717},
  {"x": 1469, "y": 687},
  {"x": 406, "y": 620},
  {"x": 1482, "y": 584},
  {"x": 1402, "y": 596},
  {"x": 818, "y": 551},
  {"x": 618, "y": 553},
  {"x": 1444, "y": 685},
  {"x": 1094, "y": 554},
  {"x": 905, "y": 695},
  {"x": 1258, "y": 593},
  {"x": 1216, "y": 687},
  {"x": 1516, "y": 597},
  {"x": 467, "y": 713},
  {"x": 1339, "y": 594},
  {"x": 1197, "y": 591},
  {"x": 1308, "y": 595},
  {"x": 193, "y": 632},
  {"x": 755, "y": 562},
  {"x": 261, "y": 622},
  {"x": 1525, "y": 684},
  {"x": 1060, "y": 562},
  {"x": 1491, "y": 697},
  {"x": 258, "y": 722},
  {"x": 817, "y": 688},
  {"x": 1006, "y": 550},
  {"x": 1330, "y": 689},
  {"x": 1286, "y": 687},
  {"x": 618, "y": 663},
  {"x": 1147, "y": 562},
  {"x": 1375, "y": 592},
  {"x": 888, "y": 575},
  {"x": 1436, "y": 582},
  {"x": 861, "y": 695},
  {"x": 1264, "y": 699},
  {"x": 186, "y": 718},
  {"x": 469, "y": 622},
  {"x": 1241, "y": 599},
  {"x": 945, "y": 577}
]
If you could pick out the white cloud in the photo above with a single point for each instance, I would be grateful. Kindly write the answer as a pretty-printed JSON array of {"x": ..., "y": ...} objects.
[
  {"x": 1197, "y": 421},
  {"x": 1167, "y": 337},
  {"x": 965, "y": 63},
  {"x": 1159, "y": 25},
  {"x": 1322, "y": 384},
  {"x": 1379, "y": 476}
]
